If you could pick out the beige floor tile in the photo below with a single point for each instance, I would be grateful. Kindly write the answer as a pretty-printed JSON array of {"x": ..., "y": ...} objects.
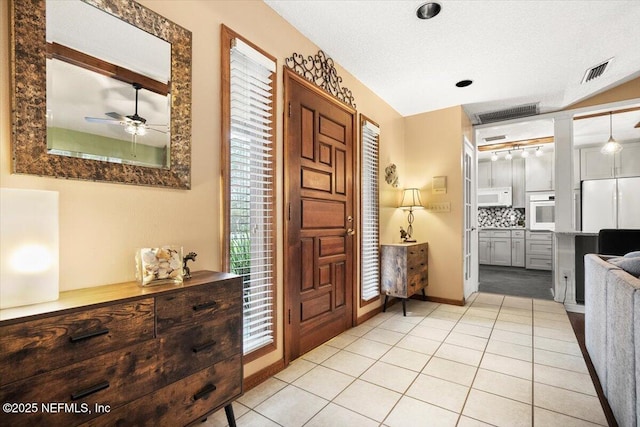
[
  {"x": 468, "y": 341},
  {"x": 261, "y": 392},
  {"x": 568, "y": 402},
  {"x": 413, "y": 412},
  {"x": 477, "y": 320},
  {"x": 396, "y": 324},
  {"x": 515, "y": 318},
  {"x": 507, "y": 365},
  {"x": 556, "y": 334},
  {"x": 470, "y": 422},
  {"x": 508, "y": 349},
  {"x": 253, "y": 419},
  {"x": 449, "y": 370},
  {"x": 342, "y": 340},
  {"x": 428, "y": 332},
  {"x": 367, "y": 399},
  {"x": 558, "y": 346},
  {"x": 520, "y": 328},
  {"x": 561, "y": 325},
  {"x": 560, "y": 360},
  {"x": 459, "y": 354},
  {"x": 478, "y": 331},
  {"x": 439, "y": 392},
  {"x": 320, "y": 354},
  {"x": 384, "y": 336},
  {"x": 382, "y": 317},
  {"x": 453, "y": 308},
  {"x": 545, "y": 418},
  {"x": 348, "y": 363},
  {"x": 484, "y": 306},
  {"x": 295, "y": 370},
  {"x": 421, "y": 308},
  {"x": 324, "y": 382},
  {"x": 333, "y": 415},
  {"x": 497, "y": 410},
  {"x": 445, "y": 315},
  {"x": 503, "y": 385},
  {"x": 491, "y": 299},
  {"x": 558, "y": 317},
  {"x": 360, "y": 330},
  {"x": 517, "y": 302},
  {"x": 422, "y": 345},
  {"x": 517, "y": 311},
  {"x": 548, "y": 306},
  {"x": 483, "y": 312},
  {"x": 576, "y": 381},
  {"x": 413, "y": 318},
  {"x": 219, "y": 418},
  {"x": 368, "y": 348},
  {"x": 389, "y": 376},
  {"x": 407, "y": 359},
  {"x": 445, "y": 325},
  {"x": 512, "y": 337},
  {"x": 291, "y": 406}
]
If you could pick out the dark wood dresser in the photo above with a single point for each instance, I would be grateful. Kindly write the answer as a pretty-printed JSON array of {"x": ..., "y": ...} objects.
[{"x": 124, "y": 355}]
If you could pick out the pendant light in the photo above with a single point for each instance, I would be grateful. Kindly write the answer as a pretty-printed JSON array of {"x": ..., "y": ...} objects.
[{"x": 612, "y": 146}]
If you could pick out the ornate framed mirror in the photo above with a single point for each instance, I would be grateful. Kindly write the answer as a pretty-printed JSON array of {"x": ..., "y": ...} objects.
[{"x": 50, "y": 138}]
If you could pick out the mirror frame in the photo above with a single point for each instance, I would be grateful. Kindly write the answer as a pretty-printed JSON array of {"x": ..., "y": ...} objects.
[{"x": 29, "y": 106}]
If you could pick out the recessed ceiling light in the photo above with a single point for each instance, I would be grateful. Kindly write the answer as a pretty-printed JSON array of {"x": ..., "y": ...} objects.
[
  {"x": 428, "y": 10},
  {"x": 464, "y": 83}
]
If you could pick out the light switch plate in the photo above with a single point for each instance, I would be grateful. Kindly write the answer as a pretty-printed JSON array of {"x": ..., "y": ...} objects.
[{"x": 439, "y": 207}]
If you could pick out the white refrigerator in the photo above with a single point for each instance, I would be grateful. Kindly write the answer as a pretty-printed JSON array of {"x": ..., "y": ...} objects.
[{"x": 610, "y": 203}]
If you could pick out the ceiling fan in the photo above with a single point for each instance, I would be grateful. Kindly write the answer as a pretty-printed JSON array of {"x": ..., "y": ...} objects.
[{"x": 133, "y": 124}]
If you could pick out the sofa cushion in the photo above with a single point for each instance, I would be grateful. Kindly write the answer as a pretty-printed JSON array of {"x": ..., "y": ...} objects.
[
  {"x": 622, "y": 289},
  {"x": 633, "y": 254},
  {"x": 629, "y": 264},
  {"x": 636, "y": 339},
  {"x": 595, "y": 316}
]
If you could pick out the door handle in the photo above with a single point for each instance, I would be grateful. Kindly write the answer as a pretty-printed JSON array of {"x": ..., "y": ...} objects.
[{"x": 350, "y": 231}]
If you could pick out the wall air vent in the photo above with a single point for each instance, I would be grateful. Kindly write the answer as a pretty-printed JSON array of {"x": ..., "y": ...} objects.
[
  {"x": 508, "y": 114},
  {"x": 495, "y": 138},
  {"x": 597, "y": 71}
]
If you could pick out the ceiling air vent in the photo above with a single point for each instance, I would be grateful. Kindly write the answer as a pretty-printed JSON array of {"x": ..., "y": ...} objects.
[
  {"x": 597, "y": 71},
  {"x": 495, "y": 138},
  {"x": 508, "y": 114}
]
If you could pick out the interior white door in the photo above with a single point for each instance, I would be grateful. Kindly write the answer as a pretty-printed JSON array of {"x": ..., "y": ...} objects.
[{"x": 470, "y": 231}]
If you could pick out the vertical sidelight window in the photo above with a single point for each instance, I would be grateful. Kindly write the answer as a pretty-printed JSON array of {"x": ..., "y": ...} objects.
[
  {"x": 370, "y": 245},
  {"x": 248, "y": 169}
]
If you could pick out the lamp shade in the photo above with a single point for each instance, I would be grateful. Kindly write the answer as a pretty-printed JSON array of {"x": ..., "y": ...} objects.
[
  {"x": 411, "y": 198},
  {"x": 29, "y": 247}
]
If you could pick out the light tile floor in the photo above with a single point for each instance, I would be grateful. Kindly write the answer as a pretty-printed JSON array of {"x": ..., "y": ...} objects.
[{"x": 499, "y": 360}]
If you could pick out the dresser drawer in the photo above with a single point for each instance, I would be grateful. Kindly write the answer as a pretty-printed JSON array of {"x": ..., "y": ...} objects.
[
  {"x": 112, "y": 379},
  {"x": 182, "y": 402},
  {"x": 38, "y": 346},
  {"x": 416, "y": 255},
  {"x": 178, "y": 311}
]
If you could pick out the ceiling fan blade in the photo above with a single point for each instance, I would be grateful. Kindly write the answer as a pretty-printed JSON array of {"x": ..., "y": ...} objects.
[
  {"x": 158, "y": 130},
  {"x": 106, "y": 121},
  {"x": 117, "y": 116}
]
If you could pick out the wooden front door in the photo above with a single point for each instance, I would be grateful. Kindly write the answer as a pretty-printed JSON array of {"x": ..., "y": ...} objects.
[{"x": 319, "y": 217}]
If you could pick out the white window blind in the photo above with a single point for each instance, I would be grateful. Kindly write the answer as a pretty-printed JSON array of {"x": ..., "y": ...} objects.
[
  {"x": 370, "y": 208},
  {"x": 251, "y": 184}
]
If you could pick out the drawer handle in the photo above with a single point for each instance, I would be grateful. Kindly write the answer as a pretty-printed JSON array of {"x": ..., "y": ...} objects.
[
  {"x": 88, "y": 335},
  {"x": 204, "y": 392},
  {"x": 204, "y": 306},
  {"x": 204, "y": 346},
  {"x": 86, "y": 392}
]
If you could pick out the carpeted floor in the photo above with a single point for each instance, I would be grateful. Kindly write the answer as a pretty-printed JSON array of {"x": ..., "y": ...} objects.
[{"x": 515, "y": 281}]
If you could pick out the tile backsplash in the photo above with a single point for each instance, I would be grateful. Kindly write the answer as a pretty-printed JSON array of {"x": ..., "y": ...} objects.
[{"x": 501, "y": 217}]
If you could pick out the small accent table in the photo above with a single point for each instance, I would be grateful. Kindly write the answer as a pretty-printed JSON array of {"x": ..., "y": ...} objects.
[{"x": 404, "y": 271}]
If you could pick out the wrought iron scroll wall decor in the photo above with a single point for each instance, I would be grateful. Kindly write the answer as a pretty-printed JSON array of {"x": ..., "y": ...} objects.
[{"x": 319, "y": 70}]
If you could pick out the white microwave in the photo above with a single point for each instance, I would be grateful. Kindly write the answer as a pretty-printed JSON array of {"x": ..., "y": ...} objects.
[
  {"x": 498, "y": 196},
  {"x": 542, "y": 212}
]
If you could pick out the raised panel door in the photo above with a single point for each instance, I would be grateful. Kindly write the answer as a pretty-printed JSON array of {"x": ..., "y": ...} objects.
[{"x": 501, "y": 251}]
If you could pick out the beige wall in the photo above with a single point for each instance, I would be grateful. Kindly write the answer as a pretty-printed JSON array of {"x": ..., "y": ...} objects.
[
  {"x": 101, "y": 224},
  {"x": 628, "y": 90},
  {"x": 434, "y": 147}
]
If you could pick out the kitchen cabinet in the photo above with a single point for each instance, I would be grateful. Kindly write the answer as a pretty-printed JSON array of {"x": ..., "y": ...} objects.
[
  {"x": 595, "y": 165},
  {"x": 518, "y": 183},
  {"x": 494, "y": 247},
  {"x": 517, "y": 248},
  {"x": 539, "y": 173},
  {"x": 494, "y": 174},
  {"x": 539, "y": 250}
]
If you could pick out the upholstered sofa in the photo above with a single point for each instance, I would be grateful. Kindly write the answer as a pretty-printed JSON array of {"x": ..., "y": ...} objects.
[{"x": 612, "y": 334}]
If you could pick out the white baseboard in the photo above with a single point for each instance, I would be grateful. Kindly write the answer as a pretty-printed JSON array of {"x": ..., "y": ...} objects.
[{"x": 574, "y": 308}]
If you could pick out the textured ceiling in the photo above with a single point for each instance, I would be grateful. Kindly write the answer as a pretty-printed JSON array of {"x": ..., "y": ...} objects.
[{"x": 515, "y": 52}]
